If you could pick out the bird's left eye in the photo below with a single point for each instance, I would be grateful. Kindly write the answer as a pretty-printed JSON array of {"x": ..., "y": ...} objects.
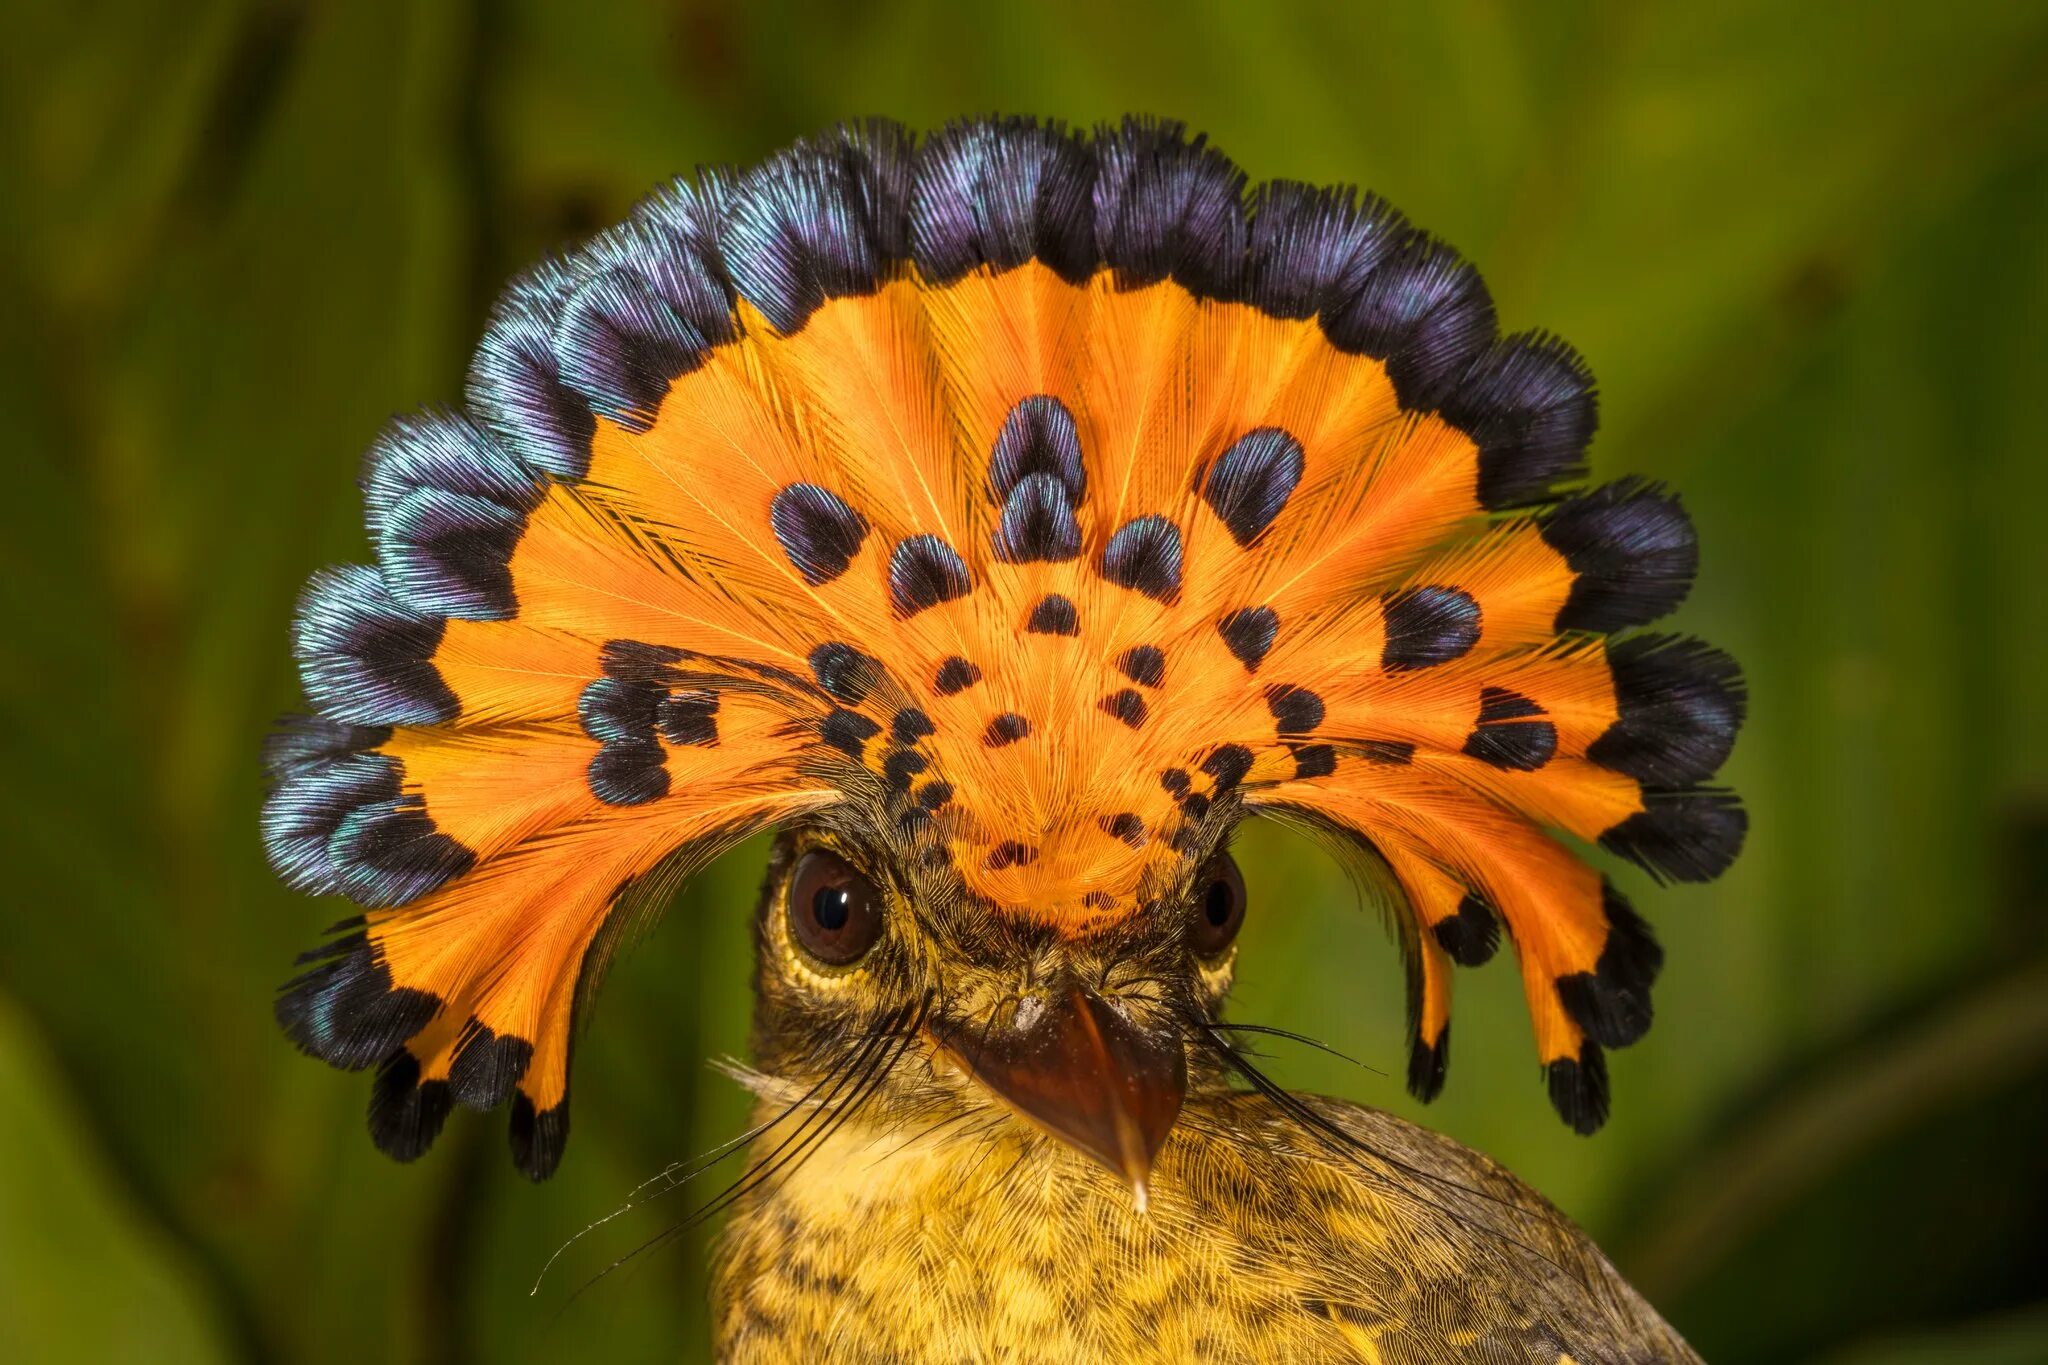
[
  {"x": 1219, "y": 906},
  {"x": 835, "y": 912}
]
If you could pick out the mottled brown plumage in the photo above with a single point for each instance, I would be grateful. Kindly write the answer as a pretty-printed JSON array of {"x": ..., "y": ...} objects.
[{"x": 1260, "y": 1244}]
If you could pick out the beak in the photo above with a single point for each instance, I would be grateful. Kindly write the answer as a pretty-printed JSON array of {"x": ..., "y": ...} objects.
[{"x": 1084, "y": 1073}]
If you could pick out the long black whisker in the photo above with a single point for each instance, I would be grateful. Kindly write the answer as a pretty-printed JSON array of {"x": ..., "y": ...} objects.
[
  {"x": 671, "y": 1182},
  {"x": 1350, "y": 1145},
  {"x": 1301, "y": 1110},
  {"x": 868, "y": 1073},
  {"x": 925, "y": 1132},
  {"x": 864, "y": 1089},
  {"x": 1302, "y": 1038},
  {"x": 858, "y": 1069},
  {"x": 865, "y": 1063}
]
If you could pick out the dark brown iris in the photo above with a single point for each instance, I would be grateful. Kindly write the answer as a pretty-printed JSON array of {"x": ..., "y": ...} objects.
[
  {"x": 1219, "y": 906},
  {"x": 835, "y": 912}
]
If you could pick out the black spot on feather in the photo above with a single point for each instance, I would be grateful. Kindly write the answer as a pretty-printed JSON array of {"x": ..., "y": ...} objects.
[
  {"x": 1296, "y": 710},
  {"x": 1578, "y": 1089},
  {"x": 1038, "y": 438},
  {"x": 629, "y": 772},
  {"x": 1528, "y": 404},
  {"x": 900, "y": 767},
  {"x": 1000, "y": 192},
  {"x": 848, "y": 731},
  {"x": 1472, "y": 935},
  {"x": 636, "y": 661},
  {"x": 1427, "y": 626},
  {"x": 1392, "y": 753},
  {"x": 1010, "y": 853},
  {"x": 1690, "y": 835},
  {"x": 1612, "y": 1002},
  {"x": 486, "y": 1067},
  {"x": 1250, "y": 483},
  {"x": 688, "y": 718},
  {"x": 955, "y": 675},
  {"x": 1510, "y": 733},
  {"x": 1126, "y": 705},
  {"x": 1248, "y": 633},
  {"x": 1632, "y": 550},
  {"x": 1143, "y": 664},
  {"x": 1314, "y": 760},
  {"x": 910, "y": 725},
  {"x": 1679, "y": 705},
  {"x": 345, "y": 1010},
  {"x": 1228, "y": 765},
  {"x": 621, "y": 711},
  {"x": 1054, "y": 615},
  {"x": 1428, "y": 1062},
  {"x": 817, "y": 530},
  {"x": 1144, "y": 556},
  {"x": 1007, "y": 728},
  {"x": 923, "y": 572},
  {"x": 406, "y": 1113},
  {"x": 618, "y": 708},
  {"x": 1038, "y": 525},
  {"x": 845, "y": 672},
  {"x": 538, "y": 1137},
  {"x": 1125, "y": 826}
]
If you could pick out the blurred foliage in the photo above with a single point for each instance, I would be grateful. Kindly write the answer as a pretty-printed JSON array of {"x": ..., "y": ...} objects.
[{"x": 1801, "y": 245}]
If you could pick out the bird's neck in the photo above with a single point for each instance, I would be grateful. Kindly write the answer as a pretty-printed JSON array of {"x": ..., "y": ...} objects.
[{"x": 892, "y": 1235}]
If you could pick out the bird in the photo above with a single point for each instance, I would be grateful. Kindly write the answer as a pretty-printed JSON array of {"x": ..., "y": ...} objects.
[{"x": 999, "y": 517}]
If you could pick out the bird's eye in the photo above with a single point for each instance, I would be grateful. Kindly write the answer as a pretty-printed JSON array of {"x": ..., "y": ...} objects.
[
  {"x": 1219, "y": 905},
  {"x": 835, "y": 913}
]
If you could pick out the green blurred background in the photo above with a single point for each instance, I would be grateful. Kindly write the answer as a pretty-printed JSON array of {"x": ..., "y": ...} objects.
[{"x": 1802, "y": 246}]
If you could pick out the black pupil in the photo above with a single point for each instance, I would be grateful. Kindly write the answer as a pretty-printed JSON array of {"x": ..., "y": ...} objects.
[
  {"x": 832, "y": 907},
  {"x": 1218, "y": 904}
]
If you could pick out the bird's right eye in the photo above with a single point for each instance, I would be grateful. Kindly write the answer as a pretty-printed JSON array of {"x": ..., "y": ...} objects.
[
  {"x": 1219, "y": 906},
  {"x": 835, "y": 912}
]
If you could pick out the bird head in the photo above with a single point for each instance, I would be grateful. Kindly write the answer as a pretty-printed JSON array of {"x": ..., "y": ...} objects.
[
  {"x": 1084, "y": 1035},
  {"x": 1001, "y": 517}
]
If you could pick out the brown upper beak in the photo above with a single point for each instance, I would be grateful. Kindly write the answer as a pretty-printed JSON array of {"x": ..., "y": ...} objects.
[{"x": 1084, "y": 1073}]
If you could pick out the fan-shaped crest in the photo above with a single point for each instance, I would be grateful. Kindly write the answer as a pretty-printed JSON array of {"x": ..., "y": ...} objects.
[{"x": 1058, "y": 497}]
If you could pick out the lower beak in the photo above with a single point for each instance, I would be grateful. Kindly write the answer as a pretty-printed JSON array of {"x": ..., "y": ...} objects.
[{"x": 1084, "y": 1073}]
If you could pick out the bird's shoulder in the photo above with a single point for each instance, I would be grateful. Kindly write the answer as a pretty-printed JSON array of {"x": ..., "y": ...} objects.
[{"x": 1417, "y": 1241}]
